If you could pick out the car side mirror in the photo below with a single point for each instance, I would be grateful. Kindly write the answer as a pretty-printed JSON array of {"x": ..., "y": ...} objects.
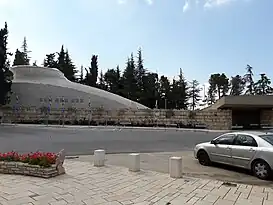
[{"x": 213, "y": 142}]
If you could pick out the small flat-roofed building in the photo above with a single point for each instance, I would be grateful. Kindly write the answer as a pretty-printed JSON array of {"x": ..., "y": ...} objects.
[{"x": 247, "y": 110}]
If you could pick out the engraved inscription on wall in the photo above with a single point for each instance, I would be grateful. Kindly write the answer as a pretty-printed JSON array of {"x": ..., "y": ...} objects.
[{"x": 61, "y": 100}]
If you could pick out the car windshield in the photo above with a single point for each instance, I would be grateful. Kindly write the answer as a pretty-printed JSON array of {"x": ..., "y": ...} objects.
[{"x": 268, "y": 138}]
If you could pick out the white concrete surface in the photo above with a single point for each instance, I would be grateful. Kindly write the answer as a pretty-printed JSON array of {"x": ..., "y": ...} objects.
[
  {"x": 34, "y": 85},
  {"x": 134, "y": 162},
  {"x": 99, "y": 158},
  {"x": 110, "y": 185},
  {"x": 175, "y": 167}
]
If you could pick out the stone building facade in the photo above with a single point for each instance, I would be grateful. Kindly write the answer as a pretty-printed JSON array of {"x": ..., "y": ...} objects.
[
  {"x": 217, "y": 119},
  {"x": 210, "y": 119}
]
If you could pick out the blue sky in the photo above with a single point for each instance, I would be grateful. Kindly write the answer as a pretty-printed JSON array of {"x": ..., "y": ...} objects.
[{"x": 200, "y": 36}]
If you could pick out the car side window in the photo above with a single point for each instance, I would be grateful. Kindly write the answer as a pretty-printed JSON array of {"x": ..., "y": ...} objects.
[
  {"x": 245, "y": 140},
  {"x": 225, "y": 139}
]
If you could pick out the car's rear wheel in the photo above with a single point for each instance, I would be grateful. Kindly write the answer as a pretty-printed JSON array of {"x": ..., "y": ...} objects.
[
  {"x": 261, "y": 169},
  {"x": 203, "y": 158}
]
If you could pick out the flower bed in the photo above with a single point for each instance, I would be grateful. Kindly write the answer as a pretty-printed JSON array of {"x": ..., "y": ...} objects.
[{"x": 38, "y": 164}]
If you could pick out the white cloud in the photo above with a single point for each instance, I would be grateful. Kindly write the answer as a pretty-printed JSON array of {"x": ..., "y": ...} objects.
[
  {"x": 207, "y": 3},
  {"x": 122, "y": 1},
  {"x": 213, "y": 3},
  {"x": 5, "y": 2},
  {"x": 10, "y": 3},
  {"x": 186, "y": 6},
  {"x": 150, "y": 2}
]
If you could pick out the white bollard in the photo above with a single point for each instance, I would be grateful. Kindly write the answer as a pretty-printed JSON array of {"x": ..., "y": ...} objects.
[
  {"x": 134, "y": 163},
  {"x": 175, "y": 167},
  {"x": 99, "y": 158}
]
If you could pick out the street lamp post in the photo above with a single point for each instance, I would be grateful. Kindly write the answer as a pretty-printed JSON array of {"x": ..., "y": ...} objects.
[
  {"x": 156, "y": 113},
  {"x": 63, "y": 109},
  {"x": 16, "y": 108},
  {"x": 157, "y": 117},
  {"x": 75, "y": 110},
  {"x": 41, "y": 107},
  {"x": 205, "y": 99},
  {"x": 58, "y": 108},
  {"x": 49, "y": 108},
  {"x": 165, "y": 100},
  {"x": 106, "y": 117},
  {"x": 90, "y": 111}
]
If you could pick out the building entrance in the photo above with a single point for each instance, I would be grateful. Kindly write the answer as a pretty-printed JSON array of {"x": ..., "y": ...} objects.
[{"x": 246, "y": 119}]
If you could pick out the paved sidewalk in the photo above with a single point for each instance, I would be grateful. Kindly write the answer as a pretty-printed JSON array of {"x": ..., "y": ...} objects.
[
  {"x": 111, "y": 185},
  {"x": 159, "y": 162}
]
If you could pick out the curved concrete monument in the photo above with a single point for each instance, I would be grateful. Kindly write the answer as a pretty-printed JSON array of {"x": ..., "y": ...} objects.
[{"x": 38, "y": 86}]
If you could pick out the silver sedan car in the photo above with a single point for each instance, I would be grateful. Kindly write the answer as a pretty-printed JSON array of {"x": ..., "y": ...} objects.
[{"x": 249, "y": 150}]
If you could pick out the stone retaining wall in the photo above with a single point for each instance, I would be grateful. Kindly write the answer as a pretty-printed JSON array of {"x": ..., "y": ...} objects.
[
  {"x": 211, "y": 119},
  {"x": 26, "y": 169}
]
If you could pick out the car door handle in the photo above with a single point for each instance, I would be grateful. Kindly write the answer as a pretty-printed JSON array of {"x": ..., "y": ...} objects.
[
  {"x": 228, "y": 148},
  {"x": 251, "y": 150}
]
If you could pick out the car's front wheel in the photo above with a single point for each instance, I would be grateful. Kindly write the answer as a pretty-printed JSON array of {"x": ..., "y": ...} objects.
[
  {"x": 203, "y": 158},
  {"x": 261, "y": 169}
]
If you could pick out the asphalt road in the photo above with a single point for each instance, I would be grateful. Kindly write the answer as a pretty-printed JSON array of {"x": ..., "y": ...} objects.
[{"x": 80, "y": 141}]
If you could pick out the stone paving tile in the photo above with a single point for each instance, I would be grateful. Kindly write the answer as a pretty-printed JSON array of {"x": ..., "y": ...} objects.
[{"x": 85, "y": 184}]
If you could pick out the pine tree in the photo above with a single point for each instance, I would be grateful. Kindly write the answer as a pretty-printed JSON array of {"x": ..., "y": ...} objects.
[
  {"x": 237, "y": 85},
  {"x": 263, "y": 86},
  {"x": 118, "y": 72},
  {"x": 61, "y": 60},
  {"x": 183, "y": 96},
  {"x": 102, "y": 84},
  {"x": 164, "y": 93},
  {"x": 69, "y": 68},
  {"x": 50, "y": 61},
  {"x": 149, "y": 94},
  {"x": 129, "y": 80},
  {"x": 213, "y": 89},
  {"x": 219, "y": 84},
  {"x": 139, "y": 75},
  {"x": 19, "y": 58},
  {"x": 81, "y": 79},
  {"x": 63, "y": 63},
  {"x": 211, "y": 97},
  {"x": 179, "y": 93},
  {"x": 248, "y": 77},
  {"x": 224, "y": 84},
  {"x": 25, "y": 52},
  {"x": 6, "y": 75},
  {"x": 194, "y": 94},
  {"x": 92, "y": 72},
  {"x": 111, "y": 79},
  {"x": 22, "y": 57},
  {"x": 119, "y": 82}
]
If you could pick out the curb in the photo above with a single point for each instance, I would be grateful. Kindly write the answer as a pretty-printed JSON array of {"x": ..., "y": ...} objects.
[
  {"x": 71, "y": 157},
  {"x": 115, "y": 127}
]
